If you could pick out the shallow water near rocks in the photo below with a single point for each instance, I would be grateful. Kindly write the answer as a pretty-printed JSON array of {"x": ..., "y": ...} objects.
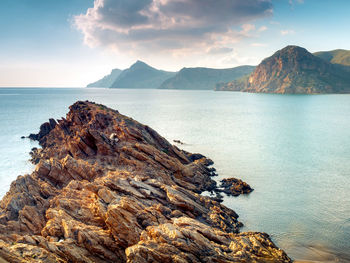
[{"x": 292, "y": 149}]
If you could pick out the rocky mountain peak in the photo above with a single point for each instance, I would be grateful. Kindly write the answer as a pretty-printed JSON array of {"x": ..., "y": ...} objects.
[{"x": 294, "y": 70}]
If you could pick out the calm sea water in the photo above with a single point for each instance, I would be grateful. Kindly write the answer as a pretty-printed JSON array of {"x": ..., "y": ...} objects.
[{"x": 292, "y": 149}]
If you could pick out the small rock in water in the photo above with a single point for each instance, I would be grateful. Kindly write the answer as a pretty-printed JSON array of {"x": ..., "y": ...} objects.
[
  {"x": 234, "y": 187},
  {"x": 23, "y": 137},
  {"x": 178, "y": 141}
]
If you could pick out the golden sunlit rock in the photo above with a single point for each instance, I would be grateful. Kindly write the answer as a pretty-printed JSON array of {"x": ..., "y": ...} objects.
[{"x": 109, "y": 189}]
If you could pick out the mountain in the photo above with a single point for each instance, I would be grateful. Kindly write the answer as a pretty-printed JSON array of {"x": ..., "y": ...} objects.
[
  {"x": 294, "y": 70},
  {"x": 106, "y": 81},
  {"x": 141, "y": 76},
  {"x": 338, "y": 56},
  {"x": 204, "y": 78}
]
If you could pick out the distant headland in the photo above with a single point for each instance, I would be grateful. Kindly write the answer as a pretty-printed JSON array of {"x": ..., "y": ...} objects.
[{"x": 291, "y": 70}]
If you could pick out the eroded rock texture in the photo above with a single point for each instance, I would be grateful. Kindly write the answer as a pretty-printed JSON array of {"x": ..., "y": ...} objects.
[
  {"x": 293, "y": 70},
  {"x": 234, "y": 187},
  {"x": 109, "y": 189}
]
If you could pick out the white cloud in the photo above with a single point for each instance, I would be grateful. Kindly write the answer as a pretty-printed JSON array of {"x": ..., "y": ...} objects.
[
  {"x": 219, "y": 50},
  {"x": 275, "y": 23},
  {"x": 175, "y": 27},
  {"x": 292, "y": 2},
  {"x": 262, "y": 28},
  {"x": 246, "y": 28},
  {"x": 287, "y": 32},
  {"x": 258, "y": 45}
]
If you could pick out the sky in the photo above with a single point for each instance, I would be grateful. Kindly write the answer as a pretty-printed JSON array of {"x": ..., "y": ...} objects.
[{"x": 70, "y": 43}]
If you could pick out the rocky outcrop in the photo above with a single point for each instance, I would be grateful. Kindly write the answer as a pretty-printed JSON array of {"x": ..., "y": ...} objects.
[
  {"x": 293, "y": 70},
  {"x": 45, "y": 128},
  {"x": 109, "y": 189},
  {"x": 234, "y": 187}
]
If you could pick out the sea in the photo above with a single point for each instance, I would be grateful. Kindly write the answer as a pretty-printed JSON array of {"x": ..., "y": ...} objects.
[{"x": 294, "y": 150}]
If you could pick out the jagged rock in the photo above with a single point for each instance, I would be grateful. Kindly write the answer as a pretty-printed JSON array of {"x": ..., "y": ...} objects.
[
  {"x": 234, "y": 186},
  {"x": 187, "y": 240},
  {"x": 109, "y": 189},
  {"x": 45, "y": 128}
]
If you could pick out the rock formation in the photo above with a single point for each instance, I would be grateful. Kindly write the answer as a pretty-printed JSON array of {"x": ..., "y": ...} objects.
[
  {"x": 234, "y": 187},
  {"x": 109, "y": 189},
  {"x": 294, "y": 70}
]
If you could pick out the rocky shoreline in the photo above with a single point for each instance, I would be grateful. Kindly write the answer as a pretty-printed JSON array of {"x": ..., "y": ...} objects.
[{"x": 109, "y": 189}]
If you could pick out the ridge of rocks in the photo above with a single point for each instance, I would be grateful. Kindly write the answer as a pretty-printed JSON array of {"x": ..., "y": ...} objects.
[{"x": 109, "y": 189}]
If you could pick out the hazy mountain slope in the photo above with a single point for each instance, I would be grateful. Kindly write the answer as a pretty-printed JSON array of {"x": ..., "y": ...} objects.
[
  {"x": 338, "y": 56},
  {"x": 107, "y": 80},
  {"x": 204, "y": 78},
  {"x": 294, "y": 70},
  {"x": 141, "y": 76}
]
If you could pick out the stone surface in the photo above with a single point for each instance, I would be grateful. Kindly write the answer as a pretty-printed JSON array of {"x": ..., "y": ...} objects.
[
  {"x": 234, "y": 187},
  {"x": 294, "y": 70},
  {"x": 109, "y": 189},
  {"x": 45, "y": 128}
]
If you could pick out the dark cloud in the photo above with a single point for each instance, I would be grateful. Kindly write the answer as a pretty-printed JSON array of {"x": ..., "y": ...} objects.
[
  {"x": 144, "y": 25},
  {"x": 220, "y": 50},
  {"x": 216, "y": 11},
  {"x": 123, "y": 13}
]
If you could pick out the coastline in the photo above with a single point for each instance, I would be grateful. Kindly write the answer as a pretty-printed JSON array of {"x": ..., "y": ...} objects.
[{"x": 129, "y": 134}]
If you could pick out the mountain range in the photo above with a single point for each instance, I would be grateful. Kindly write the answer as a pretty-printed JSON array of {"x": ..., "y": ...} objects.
[
  {"x": 107, "y": 81},
  {"x": 142, "y": 76},
  {"x": 294, "y": 70},
  {"x": 204, "y": 78}
]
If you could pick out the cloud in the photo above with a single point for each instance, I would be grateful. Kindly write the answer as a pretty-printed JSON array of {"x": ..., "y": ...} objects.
[
  {"x": 287, "y": 32},
  {"x": 292, "y": 2},
  {"x": 220, "y": 50},
  {"x": 179, "y": 26},
  {"x": 262, "y": 28},
  {"x": 236, "y": 59},
  {"x": 246, "y": 28},
  {"x": 275, "y": 23},
  {"x": 258, "y": 45}
]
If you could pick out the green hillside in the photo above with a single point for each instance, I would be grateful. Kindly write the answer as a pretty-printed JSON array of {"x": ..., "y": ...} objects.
[
  {"x": 141, "y": 76},
  {"x": 338, "y": 56},
  {"x": 204, "y": 78}
]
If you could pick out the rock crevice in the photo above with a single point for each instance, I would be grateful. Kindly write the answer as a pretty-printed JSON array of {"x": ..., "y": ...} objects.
[{"x": 109, "y": 189}]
